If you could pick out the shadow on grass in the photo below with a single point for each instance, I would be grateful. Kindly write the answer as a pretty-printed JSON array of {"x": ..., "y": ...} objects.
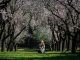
[
  {"x": 62, "y": 56},
  {"x": 44, "y": 58}
]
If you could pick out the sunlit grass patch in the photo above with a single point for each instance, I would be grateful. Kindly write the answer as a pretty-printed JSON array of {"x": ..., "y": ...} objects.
[{"x": 35, "y": 55}]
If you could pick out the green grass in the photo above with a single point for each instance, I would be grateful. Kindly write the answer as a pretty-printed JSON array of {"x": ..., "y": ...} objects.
[{"x": 27, "y": 55}]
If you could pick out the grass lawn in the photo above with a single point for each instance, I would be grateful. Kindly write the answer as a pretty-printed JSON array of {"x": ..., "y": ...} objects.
[{"x": 27, "y": 55}]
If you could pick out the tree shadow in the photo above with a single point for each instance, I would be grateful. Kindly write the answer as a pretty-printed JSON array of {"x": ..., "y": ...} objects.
[{"x": 66, "y": 57}]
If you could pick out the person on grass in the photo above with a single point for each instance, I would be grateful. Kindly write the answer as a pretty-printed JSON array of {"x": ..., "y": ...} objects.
[{"x": 42, "y": 47}]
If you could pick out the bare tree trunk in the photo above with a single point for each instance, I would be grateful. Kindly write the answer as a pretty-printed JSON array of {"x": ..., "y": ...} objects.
[
  {"x": 74, "y": 41},
  {"x": 2, "y": 46},
  {"x": 63, "y": 44},
  {"x": 68, "y": 42},
  {"x": 73, "y": 46},
  {"x": 15, "y": 47}
]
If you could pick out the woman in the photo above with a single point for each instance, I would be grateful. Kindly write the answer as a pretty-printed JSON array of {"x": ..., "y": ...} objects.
[{"x": 42, "y": 46}]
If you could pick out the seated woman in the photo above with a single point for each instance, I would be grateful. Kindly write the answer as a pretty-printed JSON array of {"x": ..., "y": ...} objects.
[{"x": 41, "y": 47}]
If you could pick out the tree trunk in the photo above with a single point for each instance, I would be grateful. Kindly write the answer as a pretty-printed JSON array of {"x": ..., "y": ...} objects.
[
  {"x": 63, "y": 44},
  {"x": 73, "y": 46},
  {"x": 68, "y": 44},
  {"x": 74, "y": 41},
  {"x": 68, "y": 40},
  {"x": 2, "y": 46}
]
